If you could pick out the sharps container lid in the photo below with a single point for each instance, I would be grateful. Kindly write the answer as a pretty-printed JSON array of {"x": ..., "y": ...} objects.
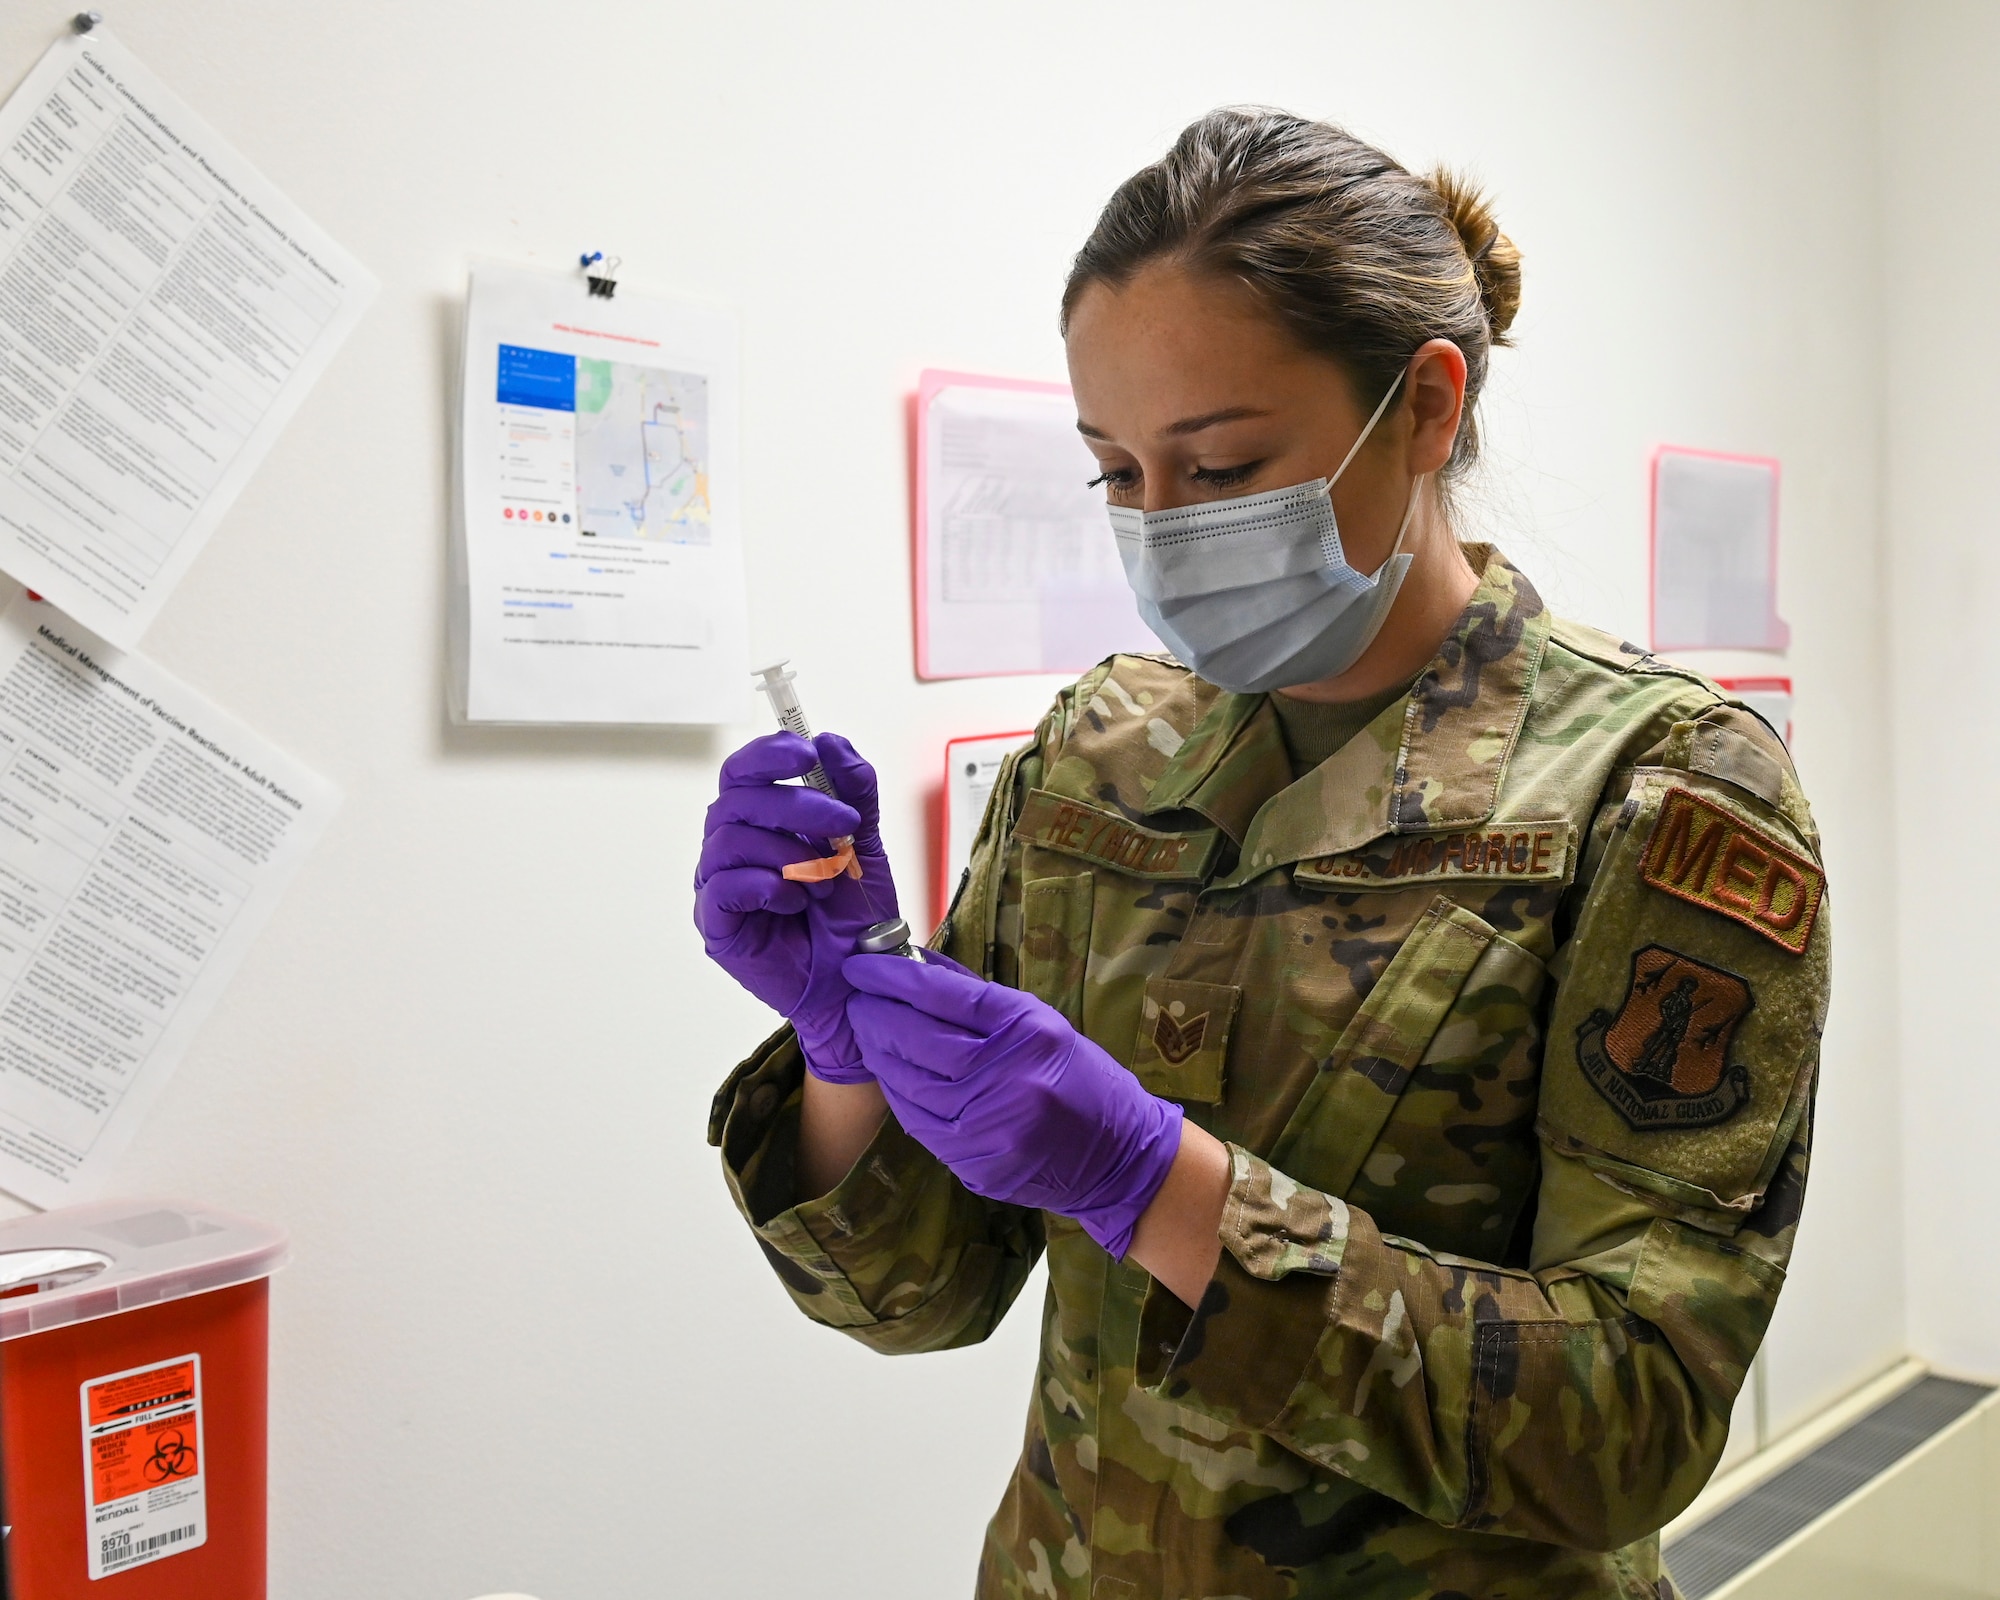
[{"x": 110, "y": 1256}]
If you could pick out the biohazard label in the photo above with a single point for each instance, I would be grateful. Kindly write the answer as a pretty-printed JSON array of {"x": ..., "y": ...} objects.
[{"x": 142, "y": 1445}]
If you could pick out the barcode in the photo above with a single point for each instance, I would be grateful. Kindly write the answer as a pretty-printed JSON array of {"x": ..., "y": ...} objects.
[{"x": 118, "y": 1548}]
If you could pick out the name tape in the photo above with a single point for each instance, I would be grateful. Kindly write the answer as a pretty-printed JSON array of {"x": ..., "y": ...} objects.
[{"x": 1076, "y": 829}]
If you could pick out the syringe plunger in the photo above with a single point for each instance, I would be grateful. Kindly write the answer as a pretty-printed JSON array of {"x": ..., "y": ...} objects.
[{"x": 777, "y": 686}]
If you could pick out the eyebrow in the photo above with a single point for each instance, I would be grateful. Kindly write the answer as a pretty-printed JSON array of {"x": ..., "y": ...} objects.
[{"x": 1187, "y": 425}]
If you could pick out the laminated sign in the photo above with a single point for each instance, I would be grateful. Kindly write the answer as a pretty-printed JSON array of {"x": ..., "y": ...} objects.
[{"x": 142, "y": 1465}]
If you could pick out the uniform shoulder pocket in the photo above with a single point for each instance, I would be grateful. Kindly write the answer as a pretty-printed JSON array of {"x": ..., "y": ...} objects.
[{"x": 1691, "y": 996}]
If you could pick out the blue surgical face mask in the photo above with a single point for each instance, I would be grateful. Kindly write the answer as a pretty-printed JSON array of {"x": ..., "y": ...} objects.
[{"x": 1256, "y": 593}]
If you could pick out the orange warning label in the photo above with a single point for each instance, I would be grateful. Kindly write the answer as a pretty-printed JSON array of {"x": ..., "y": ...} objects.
[
  {"x": 113, "y": 1398},
  {"x": 142, "y": 1440}
]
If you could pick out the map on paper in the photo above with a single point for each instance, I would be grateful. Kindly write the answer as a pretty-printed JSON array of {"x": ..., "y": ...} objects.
[
  {"x": 597, "y": 571},
  {"x": 641, "y": 452}
]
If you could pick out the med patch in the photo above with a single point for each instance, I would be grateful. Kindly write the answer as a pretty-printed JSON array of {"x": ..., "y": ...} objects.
[
  {"x": 1662, "y": 1059},
  {"x": 1712, "y": 858}
]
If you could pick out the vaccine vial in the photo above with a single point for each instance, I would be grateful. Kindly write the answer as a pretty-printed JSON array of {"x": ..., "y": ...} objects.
[{"x": 891, "y": 938}]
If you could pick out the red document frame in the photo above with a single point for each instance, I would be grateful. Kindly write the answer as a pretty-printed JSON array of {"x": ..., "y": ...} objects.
[
  {"x": 956, "y": 752},
  {"x": 1749, "y": 688}
]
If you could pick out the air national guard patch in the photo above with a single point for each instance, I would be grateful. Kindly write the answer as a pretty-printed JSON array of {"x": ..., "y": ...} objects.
[
  {"x": 1663, "y": 1060},
  {"x": 1714, "y": 859}
]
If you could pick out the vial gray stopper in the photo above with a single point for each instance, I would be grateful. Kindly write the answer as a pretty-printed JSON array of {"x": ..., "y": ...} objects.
[{"x": 891, "y": 938}]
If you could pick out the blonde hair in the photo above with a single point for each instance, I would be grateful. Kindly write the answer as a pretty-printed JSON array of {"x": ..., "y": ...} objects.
[{"x": 1363, "y": 260}]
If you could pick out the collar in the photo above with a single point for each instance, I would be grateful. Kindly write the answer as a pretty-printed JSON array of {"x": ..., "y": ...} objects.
[{"x": 1433, "y": 759}]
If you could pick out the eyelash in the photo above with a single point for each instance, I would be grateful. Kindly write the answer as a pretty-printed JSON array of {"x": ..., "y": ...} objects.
[
  {"x": 1216, "y": 477},
  {"x": 1224, "y": 477}
]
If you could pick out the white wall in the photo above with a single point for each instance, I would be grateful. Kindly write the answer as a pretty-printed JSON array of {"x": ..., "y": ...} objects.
[
  {"x": 1941, "y": 536},
  {"x": 525, "y": 1343}
]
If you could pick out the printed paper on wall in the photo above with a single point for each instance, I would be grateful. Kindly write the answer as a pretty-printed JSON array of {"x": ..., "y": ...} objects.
[
  {"x": 970, "y": 768},
  {"x": 1017, "y": 568},
  {"x": 1715, "y": 552},
  {"x": 597, "y": 570},
  {"x": 163, "y": 312}
]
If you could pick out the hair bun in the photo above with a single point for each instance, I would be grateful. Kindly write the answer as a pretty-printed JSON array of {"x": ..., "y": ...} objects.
[{"x": 1495, "y": 261}]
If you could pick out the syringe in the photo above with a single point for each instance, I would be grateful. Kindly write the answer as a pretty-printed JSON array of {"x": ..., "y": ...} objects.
[{"x": 777, "y": 686}]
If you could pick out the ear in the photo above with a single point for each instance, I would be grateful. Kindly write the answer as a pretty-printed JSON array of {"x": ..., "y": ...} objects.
[{"x": 1437, "y": 400}]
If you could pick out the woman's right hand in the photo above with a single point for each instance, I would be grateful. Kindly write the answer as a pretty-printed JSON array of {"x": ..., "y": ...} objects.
[{"x": 784, "y": 941}]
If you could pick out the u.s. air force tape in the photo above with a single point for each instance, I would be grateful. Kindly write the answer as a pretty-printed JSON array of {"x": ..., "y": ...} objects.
[{"x": 1513, "y": 852}]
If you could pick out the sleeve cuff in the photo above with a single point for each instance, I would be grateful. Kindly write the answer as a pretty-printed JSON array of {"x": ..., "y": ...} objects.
[
  {"x": 1243, "y": 1351},
  {"x": 829, "y": 1251},
  {"x": 755, "y": 1121}
]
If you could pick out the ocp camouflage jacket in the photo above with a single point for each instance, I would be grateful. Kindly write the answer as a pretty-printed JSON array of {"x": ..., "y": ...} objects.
[{"x": 1509, "y": 1014}]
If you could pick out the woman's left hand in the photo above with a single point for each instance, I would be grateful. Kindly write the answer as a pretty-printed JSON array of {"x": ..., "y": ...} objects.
[
  {"x": 784, "y": 941},
  {"x": 1001, "y": 1089}
]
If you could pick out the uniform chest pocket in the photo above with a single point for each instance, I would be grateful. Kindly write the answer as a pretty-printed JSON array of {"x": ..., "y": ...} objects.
[
  {"x": 1129, "y": 893},
  {"x": 1343, "y": 1110},
  {"x": 1055, "y": 940},
  {"x": 1183, "y": 1042}
]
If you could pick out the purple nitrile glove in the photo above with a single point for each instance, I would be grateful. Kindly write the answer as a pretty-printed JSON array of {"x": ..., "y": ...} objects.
[
  {"x": 784, "y": 941},
  {"x": 1001, "y": 1089}
]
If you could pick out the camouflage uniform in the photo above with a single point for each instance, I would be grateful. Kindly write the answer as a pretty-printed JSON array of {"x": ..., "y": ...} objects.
[{"x": 1508, "y": 1013}]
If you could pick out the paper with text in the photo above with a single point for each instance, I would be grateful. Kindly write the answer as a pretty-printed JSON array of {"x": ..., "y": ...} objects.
[
  {"x": 971, "y": 766},
  {"x": 1018, "y": 568},
  {"x": 163, "y": 311},
  {"x": 144, "y": 838},
  {"x": 1715, "y": 552},
  {"x": 598, "y": 575}
]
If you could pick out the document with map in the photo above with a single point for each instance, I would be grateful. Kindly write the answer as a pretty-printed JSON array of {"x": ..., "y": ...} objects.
[
  {"x": 597, "y": 570},
  {"x": 163, "y": 311},
  {"x": 145, "y": 835}
]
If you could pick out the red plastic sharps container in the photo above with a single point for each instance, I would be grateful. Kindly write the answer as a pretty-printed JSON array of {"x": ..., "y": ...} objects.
[{"x": 134, "y": 1357}]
